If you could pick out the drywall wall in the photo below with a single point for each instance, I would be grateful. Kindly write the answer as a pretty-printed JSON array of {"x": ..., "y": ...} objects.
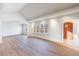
[
  {"x": 13, "y": 17},
  {"x": 11, "y": 24},
  {"x": 24, "y": 28},
  {"x": 55, "y": 30},
  {"x": 74, "y": 19},
  {"x": 0, "y": 32},
  {"x": 77, "y": 31},
  {"x": 0, "y": 28},
  {"x": 11, "y": 29}
]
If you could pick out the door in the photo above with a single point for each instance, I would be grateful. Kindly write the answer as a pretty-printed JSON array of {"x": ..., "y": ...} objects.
[{"x": 68, "y": 30}]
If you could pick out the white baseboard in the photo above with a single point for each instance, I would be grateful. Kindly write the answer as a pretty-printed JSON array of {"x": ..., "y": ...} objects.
[{"x": 11, "y": 35}]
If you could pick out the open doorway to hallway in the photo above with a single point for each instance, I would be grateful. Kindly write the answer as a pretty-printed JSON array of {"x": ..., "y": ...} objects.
[{"x": 68, "y": 30}]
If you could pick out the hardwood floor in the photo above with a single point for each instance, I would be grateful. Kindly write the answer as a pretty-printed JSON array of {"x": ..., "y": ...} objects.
[{"x": 22, "y": 46}]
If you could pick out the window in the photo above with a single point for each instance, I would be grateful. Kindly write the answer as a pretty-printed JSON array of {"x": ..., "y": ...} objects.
[{"x": 41, "y": 27}]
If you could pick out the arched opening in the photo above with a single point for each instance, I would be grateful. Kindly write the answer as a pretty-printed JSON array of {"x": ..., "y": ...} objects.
[{"x": 68, "y": 30}]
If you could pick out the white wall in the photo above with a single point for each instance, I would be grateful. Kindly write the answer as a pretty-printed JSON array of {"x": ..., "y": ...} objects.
[
  {"x": 74, "y": 19},
  {"x": 24, "y": 28},
  {"x": 77, "y": 31},
  {"x": 0, "y": 28},
  {"x": 55, "y": 30},
  {"x": 0, "y": 32},
  {"x": 11, "y": 29},
  {"x": 12, "y": 24},
  {"x": 13, "y": 17}
]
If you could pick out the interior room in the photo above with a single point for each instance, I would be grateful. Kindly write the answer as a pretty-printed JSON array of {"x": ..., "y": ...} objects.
[{"x": 39, "y": 29}]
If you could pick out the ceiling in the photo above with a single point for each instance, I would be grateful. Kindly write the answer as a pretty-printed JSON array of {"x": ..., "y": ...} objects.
[
  {"x": 0, "y": 6},
  {"x": 12, "y": 7},
  {"x": 34, "y": 10},
  {"x": 9, "y": 12}
]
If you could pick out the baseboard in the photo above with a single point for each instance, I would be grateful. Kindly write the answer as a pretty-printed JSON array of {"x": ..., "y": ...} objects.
[{"x": 11, "y": 35}]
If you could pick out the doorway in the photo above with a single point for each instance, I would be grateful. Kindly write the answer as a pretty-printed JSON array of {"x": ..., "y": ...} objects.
[{"x": 68, "y": 30}]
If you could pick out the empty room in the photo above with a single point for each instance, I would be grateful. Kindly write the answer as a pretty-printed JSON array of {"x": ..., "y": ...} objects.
[{"x": 39, "y": 29}]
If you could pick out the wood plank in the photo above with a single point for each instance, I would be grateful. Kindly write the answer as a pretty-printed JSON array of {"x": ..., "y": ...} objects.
[{"x": 22, "y": 45}]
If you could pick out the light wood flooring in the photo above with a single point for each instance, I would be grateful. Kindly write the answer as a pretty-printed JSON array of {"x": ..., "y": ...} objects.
[{"x": 21, "y": 45}]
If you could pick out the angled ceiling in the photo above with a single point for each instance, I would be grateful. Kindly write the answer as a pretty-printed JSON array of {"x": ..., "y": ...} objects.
[{"x": 34, "y": 10}]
